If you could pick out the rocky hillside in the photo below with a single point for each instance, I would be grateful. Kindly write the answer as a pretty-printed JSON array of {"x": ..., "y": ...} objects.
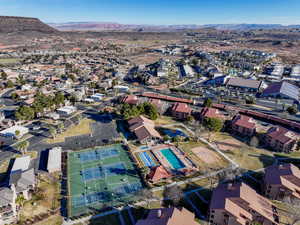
[{"x": 9, "y": 24}]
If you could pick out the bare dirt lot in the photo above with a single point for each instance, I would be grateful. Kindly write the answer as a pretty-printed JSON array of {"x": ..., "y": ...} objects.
[{"x": 206, "y": 155}]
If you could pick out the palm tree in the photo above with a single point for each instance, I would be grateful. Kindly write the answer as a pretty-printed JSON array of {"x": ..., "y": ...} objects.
[
  {"x": 20, "y": 200},
  {"x": 23, "y": 146},
  {"x": 52, "y": 132},
  {"x": 61, "y": 127}
]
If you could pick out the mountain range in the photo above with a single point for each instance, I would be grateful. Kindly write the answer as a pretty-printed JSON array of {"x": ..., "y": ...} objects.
[{"x": 100, "y": 26}]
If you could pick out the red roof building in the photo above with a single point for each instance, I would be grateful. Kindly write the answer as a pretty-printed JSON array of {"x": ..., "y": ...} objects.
[
  {"x": 239, "y": 204},
  {"x": 207, "y": 112},
  {"x": 130, "y": 99},
  {"x": 281, "y": 139},
  {"x": 181, "y": 110},
  {"x": 169, "y": 216},
  {"x": 282, "y": 181},
  {"x": 143, "y": 129},
  {"x": 157, "y": 174},
  {"x": 243, "y": 125}
]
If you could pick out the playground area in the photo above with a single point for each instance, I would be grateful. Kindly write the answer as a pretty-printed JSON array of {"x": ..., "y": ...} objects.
[{"x": 100, "y": 177}]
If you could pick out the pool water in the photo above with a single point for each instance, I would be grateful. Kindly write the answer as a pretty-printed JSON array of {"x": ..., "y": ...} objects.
[
  {"x": 174, "y": 133},
  {"x": 172, "y": 158}
]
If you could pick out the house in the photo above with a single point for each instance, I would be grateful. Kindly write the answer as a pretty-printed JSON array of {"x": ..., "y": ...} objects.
[
  {"x": 158, "y": 174},
  {"x": 281, "y": 139},
  {"x": 246, "y": 85},
  {"x": 22, "y": 177},
  {"x": 14, "y": 131},
  {"x": 181, "y": 110},
  {"x": 239, "y": 204},
  {"x": 8, "y": 208},
  {"x": 282, "y": 181},
  {"x": 143, "y": 129},
  {"x": 282, "y": 90},
  {"x": 54, "y": 160},
  {"x": 53, "y": 116},
  {"x": 243, "y": 125},
  {"x": 97, "y": 97},
  {"x": 66, "y": 110},
  {"x": 218, "y": 80},
  {"x": 129, "y": 99},
  {"x": 169, "y": 216},
  {"x": 121, "y": 88},
  {"x": 208, "y": 112}
]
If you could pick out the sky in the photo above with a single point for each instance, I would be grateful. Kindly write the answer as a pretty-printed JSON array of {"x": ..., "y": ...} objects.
[{"x": 157, "y": 12}]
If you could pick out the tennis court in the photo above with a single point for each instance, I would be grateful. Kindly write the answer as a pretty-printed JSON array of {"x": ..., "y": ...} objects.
[
  {"x": 147, "y": 160},
  {"x": 100, "y": 177}
]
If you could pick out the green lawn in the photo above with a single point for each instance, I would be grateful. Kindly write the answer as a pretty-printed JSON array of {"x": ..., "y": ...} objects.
[{"x": 9, "y": 61}]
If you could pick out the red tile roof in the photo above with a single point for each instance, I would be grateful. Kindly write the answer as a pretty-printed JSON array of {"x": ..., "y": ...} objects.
[
  {"x": 130, "y": 99},
  {"x": 158, "y": 173},
  {"x": 181, "y": 107},
  {"x": 210, "y": 113},
  {"x": 169, "y": 216},
  {"x": 281, "y": 134},
  {"x": 166, "y": 98},
  {"x": 244, "y": 121}
]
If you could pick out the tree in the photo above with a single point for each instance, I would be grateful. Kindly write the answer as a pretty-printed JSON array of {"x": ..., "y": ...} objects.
[
  {"x": 20, "y": 200},
  {"x": 292, "y": 109},
  {"x": 213, "y": 124},
  {"x": 52, "y": 132},
  {"x": 22, "y": 146},
  {"x": 207, "y": 102},
  {"x": 146, "y": 195},
  {"x": 17, "y": 133},
  {"x": 24, "y": 113},
  {"x": 254, "y": 141},
  {"x": 174, "y": 194},
  {"x": 9, "y": 84},
  {"x": 3, "y": 75}
]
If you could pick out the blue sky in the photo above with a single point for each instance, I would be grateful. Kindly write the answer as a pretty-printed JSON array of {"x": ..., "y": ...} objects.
[{"x": 157, "y": 11}]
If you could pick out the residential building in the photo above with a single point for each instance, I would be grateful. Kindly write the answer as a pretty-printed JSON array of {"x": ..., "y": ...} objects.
[
  {"x": 143, "y": 129},
  {"x": 181, "y": 110},
  {"x": 281, "y": 139},
  {"x": 8, "y": 209},
  {"x": 54, "y": 160},
  {"x": 282, "y": 181},
  {"x": 246, "y": 85},
  {"x": 14, "y": 131},
  {"x": 22, "y": 177},
  {"x": 97, "y": 97},
  {"x": 169, "y": 216},
  {"x": 66, "y": 110},
  {"x": 243, "y": 125},
  {"x": 129, "y": 99},
  {"x": 208, "y": 112},
  {"x": 282, "y": 90},
  {"x": 239, "y": 204}
]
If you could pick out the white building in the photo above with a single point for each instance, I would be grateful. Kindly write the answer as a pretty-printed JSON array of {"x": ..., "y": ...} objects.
[
  {"x": 66, "y": 110},
  {"x": 121, "y": 88},
  {"x": 97, "y": 97},
  {"x": 21, "y": 164},
  {"x": 54, "y": 160},
  {"x": 11, "y": 131},
  {"x": 295, "y": 74}
]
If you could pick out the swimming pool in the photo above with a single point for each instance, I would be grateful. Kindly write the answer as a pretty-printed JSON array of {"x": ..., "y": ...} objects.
[
  {"x": 172, "y": 158},
  {"x": 174, "y": 133}
]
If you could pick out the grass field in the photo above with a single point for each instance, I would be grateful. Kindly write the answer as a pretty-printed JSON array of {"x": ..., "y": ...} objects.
[
  {"x": 96, "y": 190},
  {"x": 9, "y": 61},
  {"x": 82, "y": 128}
]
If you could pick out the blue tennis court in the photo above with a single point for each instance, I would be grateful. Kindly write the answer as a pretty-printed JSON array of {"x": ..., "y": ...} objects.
[
  {"x": 128, "y": 188},
  {"x": 91, "y": 173},
  {"x": 147, "y": 160},
  {"x": 114, "y": 169},
  {"x": 98, "y": 154}
]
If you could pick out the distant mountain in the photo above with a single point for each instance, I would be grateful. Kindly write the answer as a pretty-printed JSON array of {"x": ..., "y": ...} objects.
[
  {"x": 9, "y": 24},
  {"x": 99, "y": 26}
]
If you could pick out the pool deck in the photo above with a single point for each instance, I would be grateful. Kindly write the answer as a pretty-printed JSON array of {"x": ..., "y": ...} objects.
[{"x": 179, "y": 154}]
